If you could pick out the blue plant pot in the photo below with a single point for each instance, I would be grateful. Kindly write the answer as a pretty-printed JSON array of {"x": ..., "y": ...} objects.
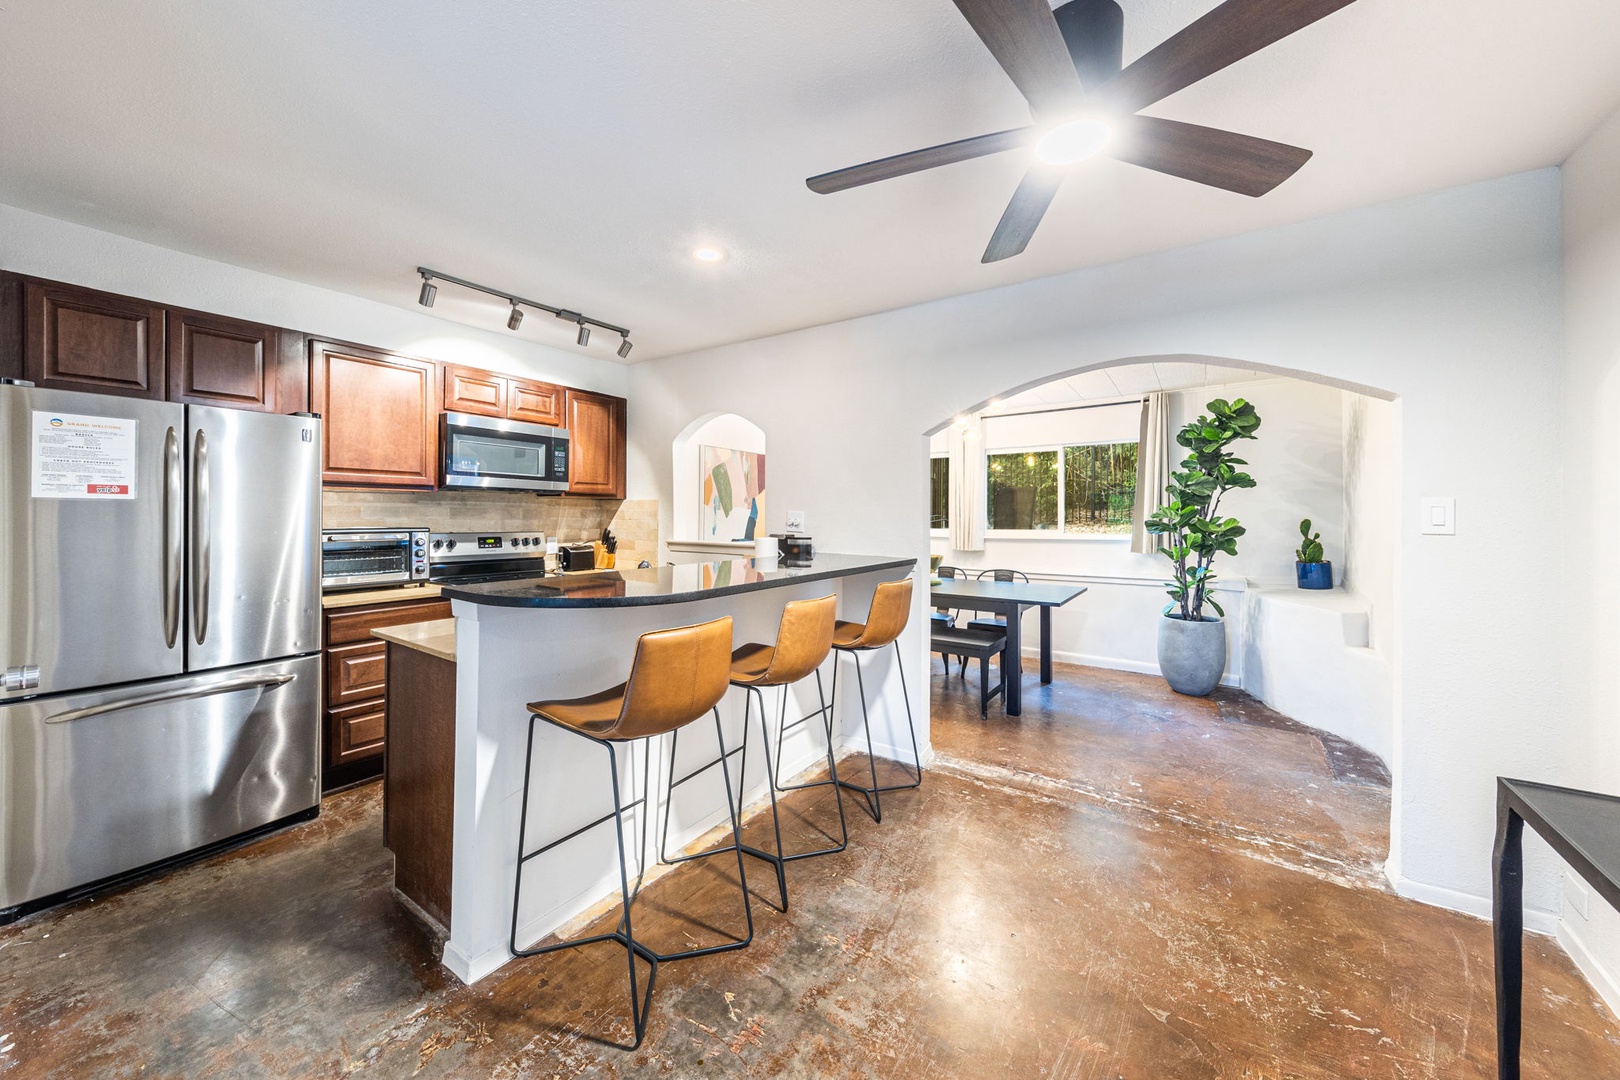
[{"x": 1314, "y": 575}]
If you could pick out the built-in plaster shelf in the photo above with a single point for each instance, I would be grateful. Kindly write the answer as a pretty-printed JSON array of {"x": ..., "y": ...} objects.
[{"x": 732, "y": 548}]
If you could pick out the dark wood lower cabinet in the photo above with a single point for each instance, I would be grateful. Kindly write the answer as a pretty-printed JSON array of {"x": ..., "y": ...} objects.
[
  {"x": 356, "y": 721},
  {"x": 419, "y": 781}
]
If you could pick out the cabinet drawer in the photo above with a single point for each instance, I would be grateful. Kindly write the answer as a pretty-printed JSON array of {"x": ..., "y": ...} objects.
[
  {"x": 535, "y": 402},
  {"x": 356, "y": 732},
  {"x": 357, "y": 624},
  {"x": 356, "y": 672}
]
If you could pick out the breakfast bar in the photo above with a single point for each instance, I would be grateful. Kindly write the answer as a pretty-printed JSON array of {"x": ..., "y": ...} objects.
[{"x": 519, "y": 641}]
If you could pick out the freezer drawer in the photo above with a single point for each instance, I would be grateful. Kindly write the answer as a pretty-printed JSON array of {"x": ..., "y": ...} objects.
[{"x": 94, "y": 785}]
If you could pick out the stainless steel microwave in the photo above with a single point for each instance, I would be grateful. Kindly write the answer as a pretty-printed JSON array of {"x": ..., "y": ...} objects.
[{"x": 503, "y": 455}]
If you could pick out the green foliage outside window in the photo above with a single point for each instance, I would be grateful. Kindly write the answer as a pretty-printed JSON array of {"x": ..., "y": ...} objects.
[
  {"x": 1099, "y": 488},
  {"x": 1022, "y": 490},
  {"x": 939, "y": 494}
]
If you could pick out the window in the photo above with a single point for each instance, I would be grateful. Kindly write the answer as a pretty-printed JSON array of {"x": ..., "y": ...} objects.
[
  {"x": 1083, "y": 490},
  {"x": 1022, "y": 490},
  {"x": 939, "y": 493},
  {"x": 1099, "y": 488}
]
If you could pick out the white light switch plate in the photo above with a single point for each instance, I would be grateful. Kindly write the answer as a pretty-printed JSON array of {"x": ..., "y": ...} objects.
[
  {"x": 795, "y": 520},
  {"x": 1437, "y": 516}
]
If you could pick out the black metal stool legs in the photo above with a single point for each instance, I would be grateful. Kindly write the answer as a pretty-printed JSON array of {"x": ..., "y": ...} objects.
[
  {"x": 736, "y": 836},
  {"x": 640, "y": 1006},
  {"x": 873, "y": 794},
  {"x": 825, "y": 712}
]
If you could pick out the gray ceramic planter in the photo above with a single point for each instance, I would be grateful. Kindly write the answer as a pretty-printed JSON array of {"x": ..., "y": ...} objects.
[{"x": 1192, "y": 655}]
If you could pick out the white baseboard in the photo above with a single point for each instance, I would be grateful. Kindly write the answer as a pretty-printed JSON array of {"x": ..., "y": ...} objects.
[
  {"x": 1114, "y": 663},
  {"x": 1538, "y": 922},
  {"x": 1601, "y": 978}
]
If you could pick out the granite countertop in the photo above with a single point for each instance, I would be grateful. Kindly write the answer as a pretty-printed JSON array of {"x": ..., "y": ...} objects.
[
  {"x": 436, "y": 638},
  {"x": 668, "y": 584},
  {"x": 398, "y": 594}
]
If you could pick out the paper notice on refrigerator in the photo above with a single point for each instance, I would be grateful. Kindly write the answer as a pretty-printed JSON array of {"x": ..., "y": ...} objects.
[{"x": 83, "y": 457}]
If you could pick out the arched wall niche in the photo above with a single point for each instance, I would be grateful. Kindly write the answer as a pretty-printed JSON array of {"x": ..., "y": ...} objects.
[{"x": 712, "y": 429}]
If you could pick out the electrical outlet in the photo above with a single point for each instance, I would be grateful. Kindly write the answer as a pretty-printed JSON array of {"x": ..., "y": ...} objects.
[
  {"x": 795, "y": 520},
  {"x": 1576, "y": 896}
]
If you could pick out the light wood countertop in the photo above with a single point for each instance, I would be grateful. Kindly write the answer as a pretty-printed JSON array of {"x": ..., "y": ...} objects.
[
  {"x": 436, "y": 638},
  {"x": 396, "y": 595}
]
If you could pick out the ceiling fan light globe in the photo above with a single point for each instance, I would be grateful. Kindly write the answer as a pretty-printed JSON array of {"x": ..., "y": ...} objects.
[{"x": 1073, "y": 142}]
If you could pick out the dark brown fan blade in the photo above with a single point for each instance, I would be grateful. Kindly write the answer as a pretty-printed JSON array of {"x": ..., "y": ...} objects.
[
  {"x": 918, "y": 160},
  {"x": 1024, "y": 38},
  {"x": 1226, "y": 35},
  {"x": 1223, "y": 159},
  {"x": 1023, "y": 213}
]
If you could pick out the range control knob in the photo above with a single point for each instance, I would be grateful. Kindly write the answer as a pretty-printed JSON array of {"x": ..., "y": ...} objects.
[
  {"x": 449, "y": 545},
  {"x": 514, "y": 541},
  {"x": 437, "y": 544},
  {"x": 525, "y": 541}
]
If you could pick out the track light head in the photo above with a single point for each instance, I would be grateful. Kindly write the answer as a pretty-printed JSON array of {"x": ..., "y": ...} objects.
[
  {"x": 514, "y": 320},
  {"x": 428, "y": 293},
  {"x": 584, "y": 335},
  {"x": 624, "y": 348}
]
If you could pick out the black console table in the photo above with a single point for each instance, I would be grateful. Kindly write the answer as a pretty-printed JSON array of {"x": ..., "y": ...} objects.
[{"x": 1584, "y": 828}]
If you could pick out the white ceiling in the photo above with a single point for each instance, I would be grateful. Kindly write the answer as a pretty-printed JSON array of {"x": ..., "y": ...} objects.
[{"x": 577, "y": 152}]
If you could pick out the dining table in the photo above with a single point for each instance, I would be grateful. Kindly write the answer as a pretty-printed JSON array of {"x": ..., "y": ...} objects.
[{"x": 1009, "y": 599}]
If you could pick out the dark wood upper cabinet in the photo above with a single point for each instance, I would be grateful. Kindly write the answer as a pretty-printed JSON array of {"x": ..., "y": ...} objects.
[
  {"x": 534, "y": 402},
  {"x": 81, "y": 339},
  {"x": 380, "y": 414},
  {"x": 470, "y": 390},
  {"x": 227, "y": 362},
  {"x": 596, "y": 444}
]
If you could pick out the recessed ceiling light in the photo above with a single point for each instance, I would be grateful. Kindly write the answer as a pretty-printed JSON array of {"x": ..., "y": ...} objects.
[
  {"x": 708, "y": 254},
  {"x": 1073, "y": 142}
]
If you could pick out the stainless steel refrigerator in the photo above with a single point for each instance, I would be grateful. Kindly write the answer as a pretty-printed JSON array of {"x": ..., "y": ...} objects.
[{"x": 159, "y": 633}]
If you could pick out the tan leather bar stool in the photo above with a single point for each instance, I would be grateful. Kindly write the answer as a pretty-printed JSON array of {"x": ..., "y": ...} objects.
[
  {"x": 803, "y": 640},
  {"x": 890, "y": 611},
  {"x": 676, "y": 677}
]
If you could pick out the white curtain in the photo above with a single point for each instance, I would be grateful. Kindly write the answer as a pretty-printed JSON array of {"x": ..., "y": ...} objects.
[
  {"x": 1152, "y": 471},
  {"x": 967, "y": 485}
]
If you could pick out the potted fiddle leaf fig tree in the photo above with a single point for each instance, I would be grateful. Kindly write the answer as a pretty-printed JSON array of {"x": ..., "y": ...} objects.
[{"x": 1192, "y": 645}]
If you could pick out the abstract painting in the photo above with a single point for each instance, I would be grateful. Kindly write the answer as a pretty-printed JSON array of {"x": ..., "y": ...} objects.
[{"x": 733, "y": 493}]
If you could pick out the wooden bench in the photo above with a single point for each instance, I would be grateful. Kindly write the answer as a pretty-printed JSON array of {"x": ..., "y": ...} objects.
[{"x": 951, "y": 641}]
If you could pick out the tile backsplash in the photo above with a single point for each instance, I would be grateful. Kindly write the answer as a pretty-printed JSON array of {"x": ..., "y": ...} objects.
[{"x": 633, "y": 521}]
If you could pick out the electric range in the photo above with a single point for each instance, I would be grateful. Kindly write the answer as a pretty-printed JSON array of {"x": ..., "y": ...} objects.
[{"x": 467, "y": 558}]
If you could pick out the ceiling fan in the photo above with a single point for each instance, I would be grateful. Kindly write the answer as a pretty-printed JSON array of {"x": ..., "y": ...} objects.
[{"x": 1068, "y": 64}]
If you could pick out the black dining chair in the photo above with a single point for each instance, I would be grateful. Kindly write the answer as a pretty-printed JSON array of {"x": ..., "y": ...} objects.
[
  {"x": 997, "y": 623},
  {"x": 941, "y": 618}
]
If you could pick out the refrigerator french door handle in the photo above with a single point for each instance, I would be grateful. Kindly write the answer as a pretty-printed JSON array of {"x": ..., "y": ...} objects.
[
  {"x": 173, "y": 538},
  {"x": 262, "y": 682},
  {"x": 201, "y": 540}
]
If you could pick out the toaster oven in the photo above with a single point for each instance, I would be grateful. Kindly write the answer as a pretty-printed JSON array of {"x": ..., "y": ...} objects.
[{"x": 370, "y": 558}]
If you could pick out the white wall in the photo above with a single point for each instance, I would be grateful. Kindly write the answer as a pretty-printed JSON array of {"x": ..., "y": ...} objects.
[
  {"x": 1449, "y": 301},
  {"x": 49, "y": 248},
  {"x": 1372, "y": 510},
  {"x": 1590, "y": 517}
]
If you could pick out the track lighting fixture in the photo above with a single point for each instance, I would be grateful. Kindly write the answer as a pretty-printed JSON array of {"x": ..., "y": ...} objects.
[{"x": 515, "y": 319}]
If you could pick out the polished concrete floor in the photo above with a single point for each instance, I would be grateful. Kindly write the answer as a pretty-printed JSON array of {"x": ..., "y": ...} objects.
[{"x": 1122, "y": 883}]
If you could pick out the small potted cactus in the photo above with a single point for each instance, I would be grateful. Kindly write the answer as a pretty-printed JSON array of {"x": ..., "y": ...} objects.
[{"x": 1314, "y": 571}]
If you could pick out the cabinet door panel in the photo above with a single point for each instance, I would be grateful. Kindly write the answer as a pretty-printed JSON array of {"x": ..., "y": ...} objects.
[
  {"x": 343, "y": 627},
  {"x": 596, "y": 450},
  {"x": 381, "y": 416},
  {"x": 80, "y": 339},
  {"x": 534, "y": 402},
  {"x": 218, "y": 361},
  {"x": 470, "y": 390},
  {"x": 356, "y": 672},
  {"x": 356, "y": 732}
]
